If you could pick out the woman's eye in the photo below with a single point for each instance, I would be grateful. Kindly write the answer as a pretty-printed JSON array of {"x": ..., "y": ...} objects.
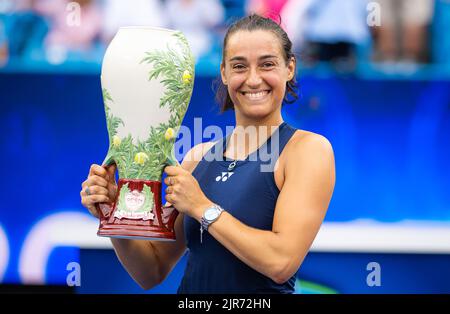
[
  {"x": 268, "y": 65},
  {"x": 238, "y": 66}
]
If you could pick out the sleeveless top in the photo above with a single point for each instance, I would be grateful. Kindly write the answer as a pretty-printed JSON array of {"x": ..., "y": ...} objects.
[{"x": 248, "y": 192}]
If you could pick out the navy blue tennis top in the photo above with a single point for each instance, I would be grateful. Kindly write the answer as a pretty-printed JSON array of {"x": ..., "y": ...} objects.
[{"x": 249, "y": 193}]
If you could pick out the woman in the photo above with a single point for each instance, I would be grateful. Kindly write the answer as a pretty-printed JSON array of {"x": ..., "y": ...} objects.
[{"x": 269, "y": 220}]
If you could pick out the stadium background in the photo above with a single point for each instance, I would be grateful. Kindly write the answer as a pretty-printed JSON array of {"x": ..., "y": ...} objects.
[{"x": 389, "y": 124}]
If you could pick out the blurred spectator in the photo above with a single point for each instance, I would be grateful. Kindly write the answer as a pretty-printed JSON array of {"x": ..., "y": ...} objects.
[
  {"x": 20, "y": 28},
  {"x": 196, "y": 19},
  {"x": 118, "y": 13},
  {"x": 327, "y": 30},
  {"x": 4, "y": 53},
  {"x": 267, "y": 8},
  {"x": 293, "y": 17},
  {"x": 440, "y": 33},
  {"x": 74, "y": 26},
  {"x": 403, "y": 32}
]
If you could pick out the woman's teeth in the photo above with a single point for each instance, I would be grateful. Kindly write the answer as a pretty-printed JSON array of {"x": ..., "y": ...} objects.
[{"x": 255, "y": 96}]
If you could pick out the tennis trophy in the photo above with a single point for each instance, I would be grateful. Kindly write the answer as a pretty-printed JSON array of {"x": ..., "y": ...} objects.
[{"x": 147, "y": 81}]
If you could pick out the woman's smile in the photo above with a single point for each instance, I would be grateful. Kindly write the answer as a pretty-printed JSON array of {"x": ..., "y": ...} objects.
[{"x": 256, "y": 96}]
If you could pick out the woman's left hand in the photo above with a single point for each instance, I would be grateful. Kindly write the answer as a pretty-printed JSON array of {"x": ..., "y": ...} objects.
[{"x": 184, "y": 192}]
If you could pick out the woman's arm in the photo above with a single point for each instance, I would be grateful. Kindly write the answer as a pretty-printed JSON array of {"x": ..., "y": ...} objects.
[
  {"x": 149, "y": 262},
  {"x": 301, "y": 207}
]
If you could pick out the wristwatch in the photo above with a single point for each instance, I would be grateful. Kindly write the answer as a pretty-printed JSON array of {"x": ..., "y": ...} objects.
[{"x": 210, "y": 215}]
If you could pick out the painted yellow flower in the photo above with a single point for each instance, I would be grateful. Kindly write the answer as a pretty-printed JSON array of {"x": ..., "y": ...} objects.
[
  {"x": 187, "y": 77},
  {"x": 170, "y": 134},
  {"x": 116, "y": 141},
  {"x": 140, "y": 158}
]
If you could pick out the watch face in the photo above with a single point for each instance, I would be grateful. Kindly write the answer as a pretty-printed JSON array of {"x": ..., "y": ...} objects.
[{"x": 211, "y": 213}]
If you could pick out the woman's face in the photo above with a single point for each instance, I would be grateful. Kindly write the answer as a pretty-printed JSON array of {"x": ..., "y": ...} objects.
[{"x": 255, "y": 72}]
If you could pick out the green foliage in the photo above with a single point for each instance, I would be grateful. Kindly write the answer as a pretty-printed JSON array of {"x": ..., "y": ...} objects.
[
  {"x": 121, "y": 204},
  {"x": 171, "y": 66},
  {"x": 112, "y": 122},
  {"x": 149, "y": 199}
]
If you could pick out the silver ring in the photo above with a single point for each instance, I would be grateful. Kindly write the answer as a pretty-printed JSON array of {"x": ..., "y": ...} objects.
[{"x": 87, "y": 191}]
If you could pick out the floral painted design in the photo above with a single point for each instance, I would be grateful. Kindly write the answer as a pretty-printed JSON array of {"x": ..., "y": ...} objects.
[{"x": 146, "y": 159}]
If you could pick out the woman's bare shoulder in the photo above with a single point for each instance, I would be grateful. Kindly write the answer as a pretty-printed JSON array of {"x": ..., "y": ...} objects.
[{"x": 309, "y": 145}]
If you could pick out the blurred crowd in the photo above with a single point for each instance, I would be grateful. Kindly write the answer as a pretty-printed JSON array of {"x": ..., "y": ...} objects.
[
  {"x": 58, "y": 31},
  {"x": 342, "y": 33}
]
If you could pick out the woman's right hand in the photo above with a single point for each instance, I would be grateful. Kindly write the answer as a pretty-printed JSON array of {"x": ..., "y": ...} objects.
[{"x": 99, "y": 187}]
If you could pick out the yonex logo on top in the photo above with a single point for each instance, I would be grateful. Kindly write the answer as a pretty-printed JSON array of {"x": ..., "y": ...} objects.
[{"x": 224, "y": 177}]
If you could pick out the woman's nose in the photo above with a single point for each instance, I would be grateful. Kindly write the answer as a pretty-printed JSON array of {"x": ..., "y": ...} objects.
[{"x": 254, "y": 78}]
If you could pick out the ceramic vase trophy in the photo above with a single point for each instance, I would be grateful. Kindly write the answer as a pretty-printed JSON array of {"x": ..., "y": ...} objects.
[{"x": 147, "y": 81}]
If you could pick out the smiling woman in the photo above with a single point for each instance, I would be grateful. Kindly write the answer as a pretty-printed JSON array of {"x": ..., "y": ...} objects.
[
  {"x": 255, "y": 72},
  {"x": 271, "y": 50},
  {"x": 247, "y": 227}
]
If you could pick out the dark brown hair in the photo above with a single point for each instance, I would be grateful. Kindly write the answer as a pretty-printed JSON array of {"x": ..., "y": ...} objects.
[{"x": 256, "y": 22}]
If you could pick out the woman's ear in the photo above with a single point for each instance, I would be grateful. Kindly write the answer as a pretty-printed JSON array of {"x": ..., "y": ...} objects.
[
  {"x": 222, "y": 74},
  {"x": 291, "y": 68}
]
